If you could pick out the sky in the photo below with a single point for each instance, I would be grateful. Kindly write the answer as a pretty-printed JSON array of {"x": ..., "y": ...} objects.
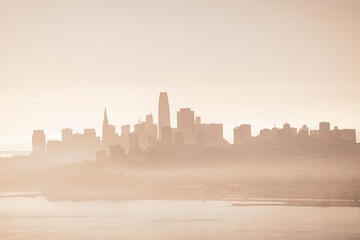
[{"x": 232, "y": 62}]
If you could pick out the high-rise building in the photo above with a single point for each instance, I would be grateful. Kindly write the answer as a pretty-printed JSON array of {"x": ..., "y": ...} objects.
[
  {"x": 186, "y": 124},
  {"x": 164, "y": 112},
  {"x": 267, "y": 134},
  {"x": 89, "y": 133},
  {"x": 38, "y": 143},
  {"x": 105, "y": 133},
  {"x": 324, "y": 130},
  {"x": 125, "y": 129},
  {"x": 108, "y": 134},
  {"x": 348, "y": 135},
  {"x": 242, "y": 134},
  {"x": 303, "y": 132},
  {"x": 151, "y": 131},
  {"x": 287, "y": 132},
  {"x": 147, "y": 133},
  {"x": 185, "y": 119},
  {"x": 124, "y": 138}
]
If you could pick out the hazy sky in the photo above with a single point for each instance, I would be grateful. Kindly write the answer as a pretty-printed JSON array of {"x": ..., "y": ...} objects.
[{"x": 258, "y": 62}]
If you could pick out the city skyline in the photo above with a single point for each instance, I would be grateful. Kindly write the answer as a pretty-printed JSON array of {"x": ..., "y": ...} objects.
[
  {"x": 233, "y": 62},
  {"x": 164, "y": 105},
  {"x": 186, "y": 131},
  {"x": 180, "y": 119}
]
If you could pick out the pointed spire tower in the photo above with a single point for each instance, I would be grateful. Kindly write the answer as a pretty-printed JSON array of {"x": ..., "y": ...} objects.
[
  {"x": 108, "y": 134},
  {"x": 105, "y": 122},
  {"x": 105, "y": 130}
]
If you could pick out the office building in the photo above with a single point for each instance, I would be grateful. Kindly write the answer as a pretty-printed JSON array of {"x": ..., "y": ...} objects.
[
  {"x": 164, "y": 113},
  {"x": 324, "y": 130},
  {"x": 242, "y": 134}
]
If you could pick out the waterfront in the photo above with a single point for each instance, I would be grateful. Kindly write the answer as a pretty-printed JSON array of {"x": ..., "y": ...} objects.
[{"x": 37, "y": 218}]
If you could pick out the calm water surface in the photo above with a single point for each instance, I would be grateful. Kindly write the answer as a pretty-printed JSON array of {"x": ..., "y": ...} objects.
[{"x": 37, "y": 218}]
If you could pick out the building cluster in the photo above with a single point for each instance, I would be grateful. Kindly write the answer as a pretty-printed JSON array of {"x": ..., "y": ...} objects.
[
  {"x": 242, "y": 134},
  {"x": 147, "y": 135}
]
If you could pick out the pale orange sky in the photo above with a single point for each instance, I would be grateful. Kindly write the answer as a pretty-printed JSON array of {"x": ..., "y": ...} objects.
[{"x": 258, "y": 62}]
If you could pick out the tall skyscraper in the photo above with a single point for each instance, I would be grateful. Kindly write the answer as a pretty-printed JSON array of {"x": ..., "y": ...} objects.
[
  {"x": 105, "y": 135},
  {"x": 164, "y": 112},
  {"x": 108, "y": 133}
]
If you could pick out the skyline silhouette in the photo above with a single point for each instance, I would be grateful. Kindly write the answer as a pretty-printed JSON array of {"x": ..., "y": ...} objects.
[
  {"x": 147, "y": 136},
  {"x": 189, "y": 125},
  {"x": 155, "y": 119},
  {"x": 191, "y": 160},
  {"x": 234, "y": 61},
  {"x": 228, "y": 126}
]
